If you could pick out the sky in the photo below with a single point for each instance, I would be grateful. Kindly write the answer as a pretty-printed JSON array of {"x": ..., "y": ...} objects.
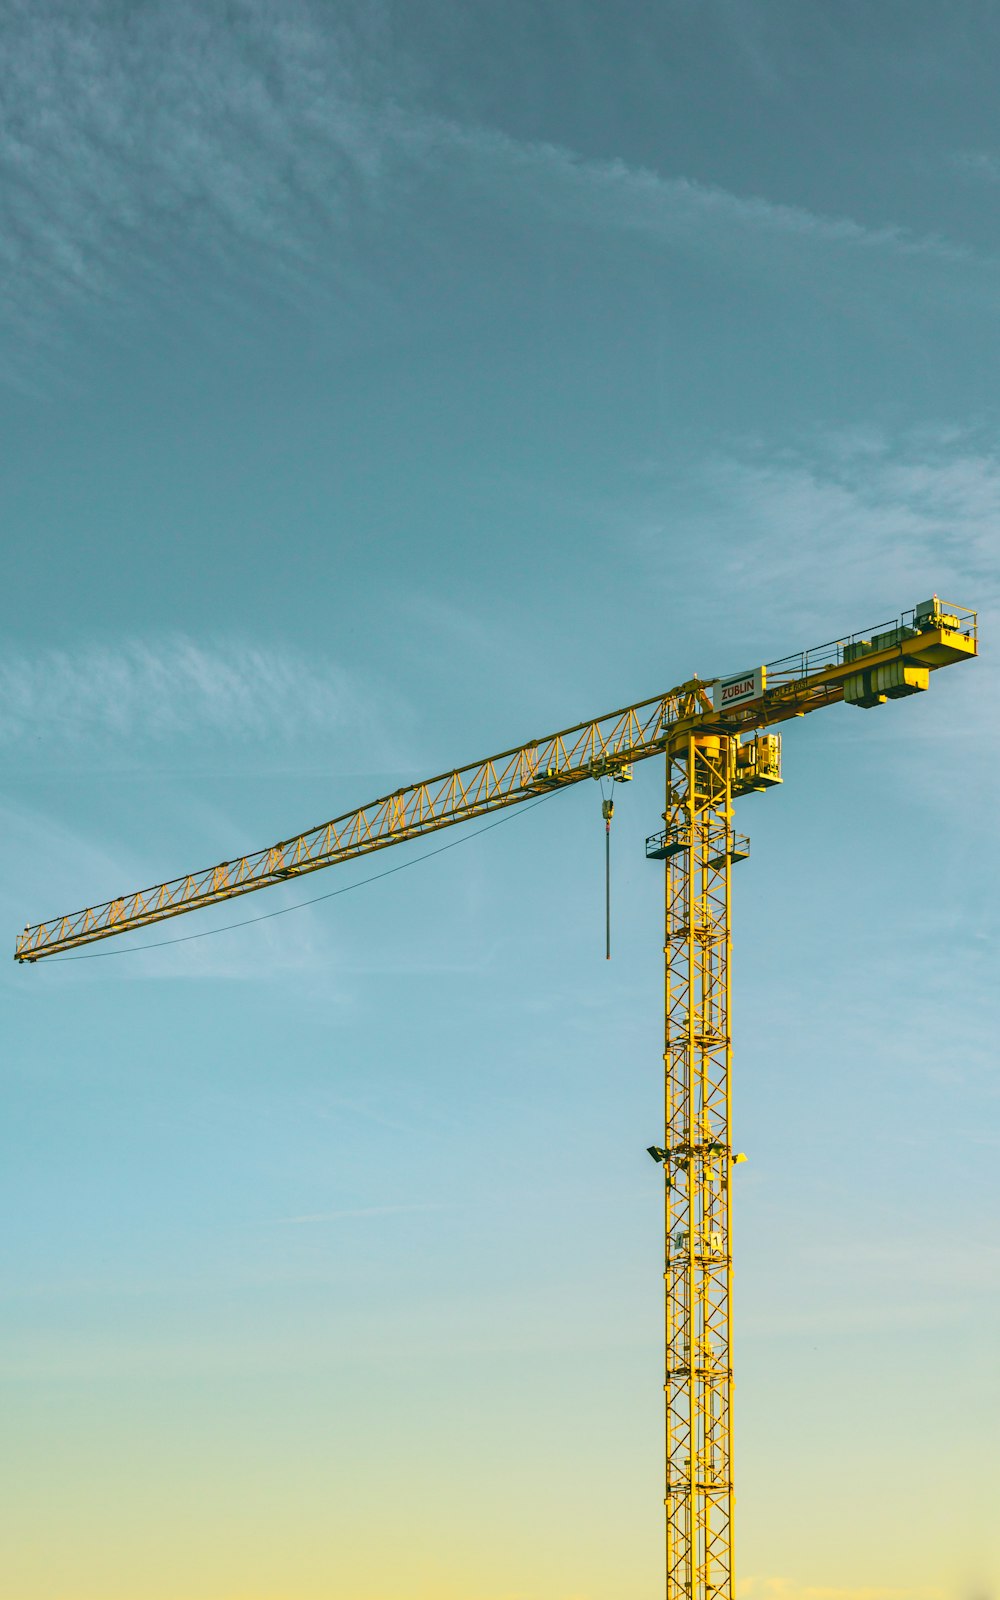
[{"x": 384, "y": 385}]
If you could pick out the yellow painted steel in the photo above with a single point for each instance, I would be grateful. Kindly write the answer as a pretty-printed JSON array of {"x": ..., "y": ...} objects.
[
  {"x": 708, "y": 764},
  {"x": 603, "y": 747},
  {"x": 697, "y": 1164}
]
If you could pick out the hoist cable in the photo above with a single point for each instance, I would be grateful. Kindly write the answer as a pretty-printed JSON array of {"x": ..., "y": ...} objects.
[{"x": 607, "y": 890}]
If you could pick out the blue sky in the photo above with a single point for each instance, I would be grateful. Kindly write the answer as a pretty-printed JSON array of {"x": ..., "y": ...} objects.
[{"x": 382, "y": 386}]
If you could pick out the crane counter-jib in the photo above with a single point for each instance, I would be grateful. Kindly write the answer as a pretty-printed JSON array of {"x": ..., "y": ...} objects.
[{"x": 883, "y": 663}]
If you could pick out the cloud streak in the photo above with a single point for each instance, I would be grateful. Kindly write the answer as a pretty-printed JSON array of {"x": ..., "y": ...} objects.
[
  {"x": 151, "y": 691},
  {"x": 612, "y": 193},
  {"x": 135, "y": 140},
  {"x": 53, "y": 864},
  {"x": 255, "y": 142},
  {"x": 877, "y": 515},
  {"x": 778, "y": 547}
]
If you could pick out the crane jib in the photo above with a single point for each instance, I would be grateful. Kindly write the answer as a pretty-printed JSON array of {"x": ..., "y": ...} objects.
[{"x": 864, "y": 669}]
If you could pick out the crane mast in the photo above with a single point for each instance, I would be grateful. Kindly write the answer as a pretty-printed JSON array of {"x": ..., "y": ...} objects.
[
  {"x": 698, "y": 1381},
  {"x": 711, "y": 733}
]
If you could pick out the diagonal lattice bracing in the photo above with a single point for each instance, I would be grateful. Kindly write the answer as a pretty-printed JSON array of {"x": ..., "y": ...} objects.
[
  {"x": 605, "y": 747},
  {"x": 698, "y": 1263}
]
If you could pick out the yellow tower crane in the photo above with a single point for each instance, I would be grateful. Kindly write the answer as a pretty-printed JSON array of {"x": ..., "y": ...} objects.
[{"x": 713, "y": 735}]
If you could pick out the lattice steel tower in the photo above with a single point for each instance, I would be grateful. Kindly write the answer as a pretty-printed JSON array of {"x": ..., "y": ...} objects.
[{"x": 698, "y": 846}]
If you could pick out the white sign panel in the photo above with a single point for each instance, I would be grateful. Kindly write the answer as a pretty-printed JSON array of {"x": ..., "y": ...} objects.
[{"x": 740, "y": 686}]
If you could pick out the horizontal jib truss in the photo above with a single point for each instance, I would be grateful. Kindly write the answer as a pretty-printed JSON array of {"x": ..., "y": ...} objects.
[{"x": 588, "y": 750}]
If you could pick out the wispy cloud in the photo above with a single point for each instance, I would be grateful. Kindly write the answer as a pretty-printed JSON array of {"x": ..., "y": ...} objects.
[
  {"x": 54, "y": 867},
  {"x": 812, "y": 527},
  {"x": 135, "y": 141},
  {"x": 256, "y": 142},
  {"x": 152, "y": 690},
  {"x": 777, "y": 549},
  {"x": 612, "y": 193}
]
